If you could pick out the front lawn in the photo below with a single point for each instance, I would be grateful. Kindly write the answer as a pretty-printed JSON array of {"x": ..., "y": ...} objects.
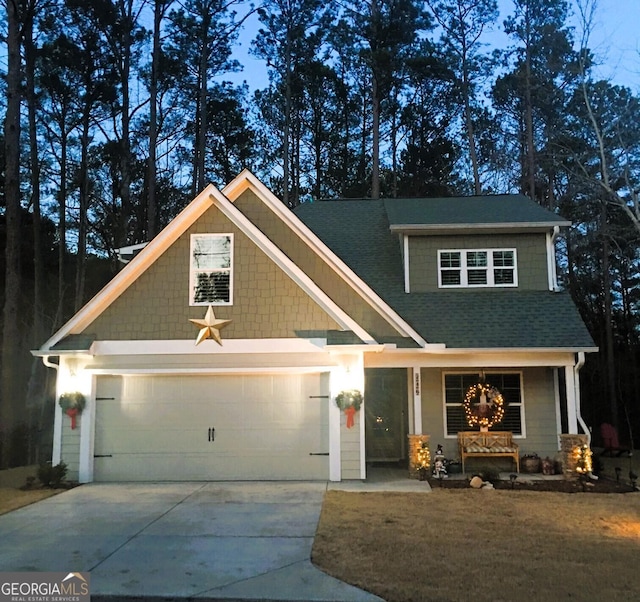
[{"x": 456, "y": 545}]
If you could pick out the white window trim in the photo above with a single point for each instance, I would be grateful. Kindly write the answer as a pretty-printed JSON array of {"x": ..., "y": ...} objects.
[
  {"x": 523, "y": 422},
  {"x": 464, "y": 269},
  {"x": 192, "y": 271}
]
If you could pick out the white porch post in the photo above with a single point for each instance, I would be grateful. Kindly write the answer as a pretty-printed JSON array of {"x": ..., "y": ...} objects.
[
  {"x": 416, "y": 381},
  {"x": 335, "y": 459},
  {"x": 556, "y": 393},
  {"x": 87, "y": 433},
  {"x": 572, "y": 414},
  {"x": 349, "y": 375}
]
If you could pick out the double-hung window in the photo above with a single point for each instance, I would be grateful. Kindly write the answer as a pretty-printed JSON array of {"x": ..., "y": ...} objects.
[
  {"x": 210, "y": 278},
  {"x": 510, "y": 386},
  {"x": 477, "y": 268}
]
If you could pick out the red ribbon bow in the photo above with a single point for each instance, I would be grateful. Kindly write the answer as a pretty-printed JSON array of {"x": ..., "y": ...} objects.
[
  {"x": 72, "y": 413},
  {"x": 350, "y": 412}
]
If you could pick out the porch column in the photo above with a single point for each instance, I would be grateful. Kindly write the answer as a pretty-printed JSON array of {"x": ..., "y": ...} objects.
[
  {"x": 556, "y": 394},
  {"x": 416, "y": 381},
  {"x": 572, "y": 415}
]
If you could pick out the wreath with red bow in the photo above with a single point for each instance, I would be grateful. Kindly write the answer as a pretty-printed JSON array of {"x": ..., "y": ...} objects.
[
  {"x": 349, "y": 402},
  {"x": 72, "y": 405}
]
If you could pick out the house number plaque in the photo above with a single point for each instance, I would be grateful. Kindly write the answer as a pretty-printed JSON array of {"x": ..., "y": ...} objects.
[{"x": 417, "y": 383}]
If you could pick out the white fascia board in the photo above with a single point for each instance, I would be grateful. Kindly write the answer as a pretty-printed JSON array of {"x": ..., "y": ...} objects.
[
  {"x": 475, "y": 358},
  {"x": 489, "y": 227},
  {"x": 517, "y": 350},
  {"x": 208, "y": 347},
  {"x": 318, "y": 369},
  {"x": 289, "y": 267},
  {"x": 135, "y": 267},
  {"x": 247, "y": 180}
]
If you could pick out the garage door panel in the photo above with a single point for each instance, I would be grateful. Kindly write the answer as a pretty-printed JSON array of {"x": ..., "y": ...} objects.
[{"x": 266, "y": 427}]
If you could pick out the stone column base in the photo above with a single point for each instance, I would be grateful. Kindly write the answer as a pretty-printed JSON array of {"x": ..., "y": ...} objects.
[{"x": 568, "y": 443}]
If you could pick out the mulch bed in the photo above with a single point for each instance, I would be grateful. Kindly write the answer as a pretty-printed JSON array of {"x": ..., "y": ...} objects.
[{"x": 602, "y": 485}]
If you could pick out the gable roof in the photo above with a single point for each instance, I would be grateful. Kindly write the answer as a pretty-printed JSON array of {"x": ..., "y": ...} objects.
[
  {"x": 209, "y": 197},
  {"x": 408, "y": 336},
  {"x": 359, "y": 232}
]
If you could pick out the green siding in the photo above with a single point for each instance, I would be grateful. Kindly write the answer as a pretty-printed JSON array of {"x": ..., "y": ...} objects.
[
  {"x": 531, "y": 256},
  {"x": 266, "y": 302},
  {"x": 539, "y": 411},
  {"x": 70, "y": 449}
]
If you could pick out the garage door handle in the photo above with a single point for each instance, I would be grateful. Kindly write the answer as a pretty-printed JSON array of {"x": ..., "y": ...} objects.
[
  {"x": 319, "y": 453},
  {"x": 212, "y": 434},
  {"x": 102, "y": 456}
]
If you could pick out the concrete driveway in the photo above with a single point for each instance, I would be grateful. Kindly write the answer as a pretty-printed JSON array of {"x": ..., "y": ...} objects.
[{"x": 226, "y": 541}]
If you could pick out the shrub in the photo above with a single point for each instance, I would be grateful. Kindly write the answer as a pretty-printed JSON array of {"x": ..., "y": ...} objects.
[{"x": 52, "y": 476}]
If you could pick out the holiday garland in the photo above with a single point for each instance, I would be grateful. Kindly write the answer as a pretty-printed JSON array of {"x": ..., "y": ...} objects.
[{"x": 483, "y": 405}]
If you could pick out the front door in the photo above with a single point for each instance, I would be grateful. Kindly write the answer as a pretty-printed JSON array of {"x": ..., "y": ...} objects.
[{"x": 385, "y": 414}]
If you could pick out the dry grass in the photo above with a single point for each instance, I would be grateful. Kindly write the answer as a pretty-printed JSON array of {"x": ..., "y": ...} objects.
[
  {"x": 12, "y": 497},
  {"x": 460, "y": 545}
]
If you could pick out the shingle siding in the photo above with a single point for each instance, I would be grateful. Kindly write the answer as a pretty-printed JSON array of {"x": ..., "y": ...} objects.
[
  {"x": 530, "y": 249},
  {"x": 266, "y": 302}
]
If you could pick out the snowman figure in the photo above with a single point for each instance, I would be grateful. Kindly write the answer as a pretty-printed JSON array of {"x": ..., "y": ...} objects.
[{"x": 440, "y": 464}]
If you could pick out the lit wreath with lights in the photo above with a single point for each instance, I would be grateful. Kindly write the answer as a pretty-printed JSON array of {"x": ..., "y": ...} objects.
[{"x": 483, "y": 405}]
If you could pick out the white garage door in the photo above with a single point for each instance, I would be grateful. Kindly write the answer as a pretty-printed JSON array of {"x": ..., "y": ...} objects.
[{"x": 151, "y": 428}]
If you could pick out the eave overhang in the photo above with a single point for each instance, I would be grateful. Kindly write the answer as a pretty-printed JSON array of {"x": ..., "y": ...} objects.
[{"x": 475, "y": 228}]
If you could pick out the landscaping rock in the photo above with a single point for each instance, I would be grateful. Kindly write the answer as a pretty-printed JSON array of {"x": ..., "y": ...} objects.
[{"x": 476, "y": 482}]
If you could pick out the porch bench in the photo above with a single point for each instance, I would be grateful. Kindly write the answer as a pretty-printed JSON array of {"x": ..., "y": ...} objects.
[{"x": 491, "y": 444}]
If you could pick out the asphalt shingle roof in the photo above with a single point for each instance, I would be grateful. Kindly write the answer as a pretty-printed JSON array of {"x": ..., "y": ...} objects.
[
  {"x": 497, "y": 210},
  {"x": 359, "y": 233}
]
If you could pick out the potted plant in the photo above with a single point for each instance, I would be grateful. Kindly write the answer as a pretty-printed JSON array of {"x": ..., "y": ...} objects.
[{"x": 72, "y": 405}]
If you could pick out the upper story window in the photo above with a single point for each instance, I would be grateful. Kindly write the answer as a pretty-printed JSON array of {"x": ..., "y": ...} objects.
[
  {"x": 477, "y": 268},
  {"x": 210, "y": 277}
]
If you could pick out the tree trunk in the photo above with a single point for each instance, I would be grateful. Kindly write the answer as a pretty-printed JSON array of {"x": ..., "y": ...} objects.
[
  {"x": 375, "y": 130},
  {"x": 81, "y": 255},
  {"x": 473, "y": 155},
  {"x": 528, "y": 116},
  {"x": 62, "y": 220},
  {"x": 158, "y": 13},
  {"x": 125, "y": 144},
  {"x": 608, "y": 323},
  {"x": 12, "y": 397},
  {"x": 286, "y": 176},
  {"x": 202, "y": 105}
]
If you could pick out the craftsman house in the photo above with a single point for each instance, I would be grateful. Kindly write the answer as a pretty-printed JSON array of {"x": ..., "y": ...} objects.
[{"x": 219, "y": 350}]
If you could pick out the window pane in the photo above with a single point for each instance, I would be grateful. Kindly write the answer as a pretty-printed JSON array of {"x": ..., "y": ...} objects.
[
  {"x": 477, "y": 277},
  {"x": 456, "y": 420},
  {"x": 503, "y": 259},
  {"x": 450, "y": 260},
  {"x": 450, "y": 277},
  {"x": 511, "y": 421},
  {"x": 212, "y": 287},
  {"x": 503, "y": 276},
  {"x": 211, "y": 252},
  {"x": 476, "y": 259}
]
